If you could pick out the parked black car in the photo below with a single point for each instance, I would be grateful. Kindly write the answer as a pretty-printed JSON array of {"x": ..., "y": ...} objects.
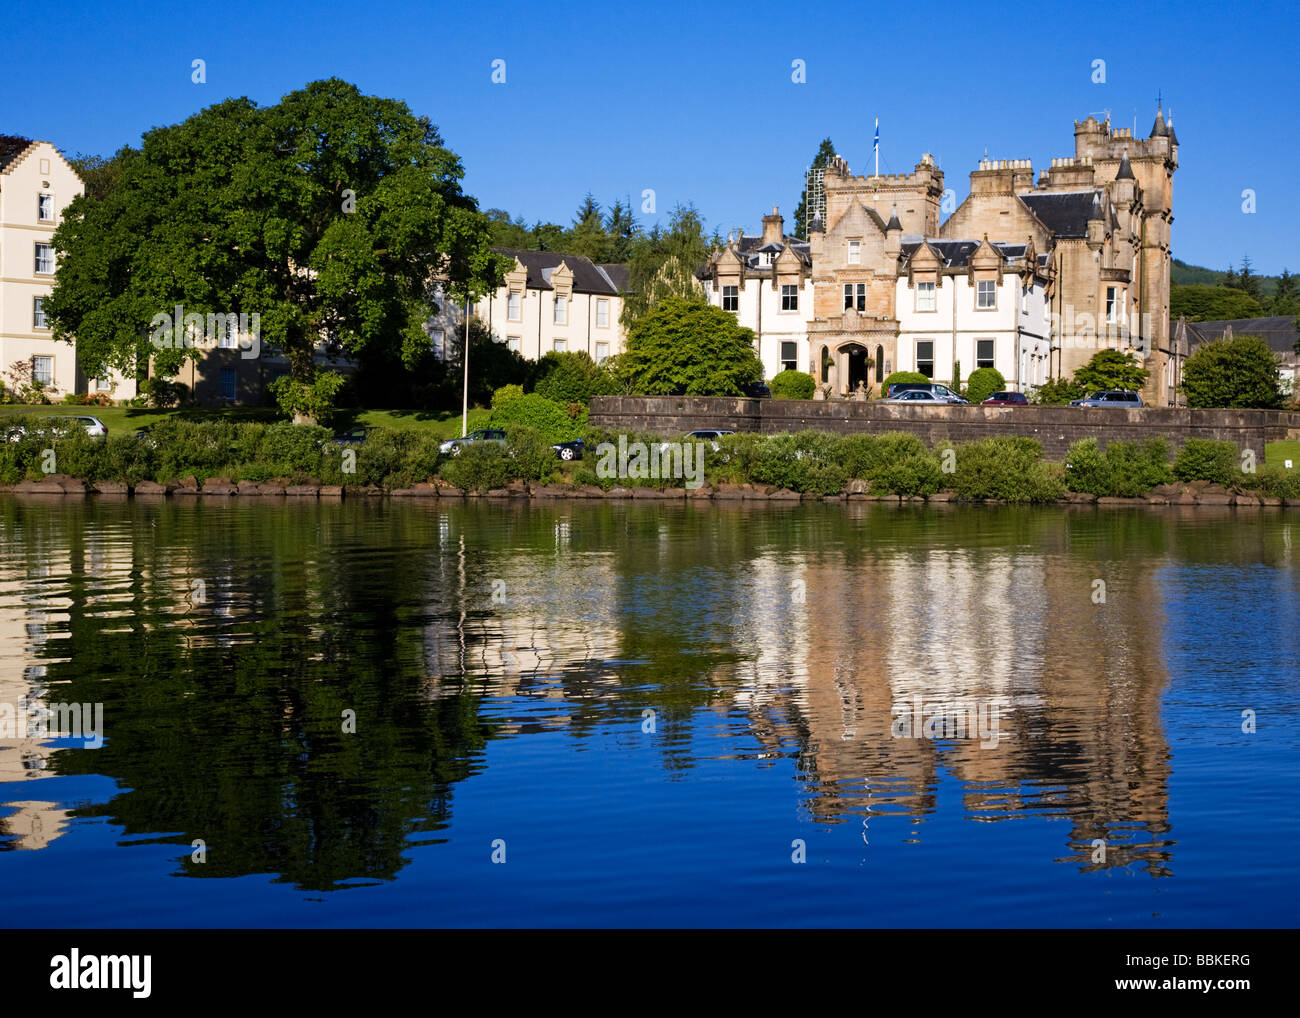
[
  {"x": 569, "y": 450},
  {"x": 758, "y": 390}
]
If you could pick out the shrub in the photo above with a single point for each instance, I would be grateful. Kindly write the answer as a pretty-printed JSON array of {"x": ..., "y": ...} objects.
[
  {"x": 1086, "y": 468},
  {"x": 204, "y": 449},
  {"x": 910, "y": 474},
  {"x": 808, "y": 461},
  {"x": 163, "y": 393},
  {"x": 126, "y": 458},
  {"x": 983, "y": 383},
  {"x": 1011, "y": 469},
  {"x": 545, "y": 416},
  {"x": 1124, "y": 469},
  {"x": 395, "y": 458},
  {"x": 1279, "y": 483},
  {"x": 534, "y": 459},
  {"x": 902, "y": 376},
  {"x": 572, "y": 378},
  {"x": 790, "y": 384},
  {"x": 292, "y": 450},
  {"x": 1136, "y": 468},
  {"x": 1203, "y": 459},
  {"x": 505, "y": 394},
  {"x": 867, "y": 456},
  {"x": 480, "y": 466}
]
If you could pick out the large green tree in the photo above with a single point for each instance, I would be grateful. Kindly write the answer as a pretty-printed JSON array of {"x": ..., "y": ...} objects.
[
  {"x": 1111, "y": 369},
  {"x": 825, "y": 152},
  {"x": 688, "y": 347},
  {"x": 1240, "y": 373},
  {"x": 100, "y": 175},
  {"x": 1200, "y": 303},
  {"x": 330, "y": 215}
]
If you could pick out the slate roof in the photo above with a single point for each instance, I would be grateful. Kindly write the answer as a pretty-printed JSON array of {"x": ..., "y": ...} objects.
[
  {"x": 749, "y": 249},
  {"x": 11, "y": 147},
  {"x": 1065, "y": 213},
  {"x": 618, "y": 274},
  {"x": 957, "y": 253},
  {"x": 1279, "y": 331},
  {"x": 588, "y": 277}
]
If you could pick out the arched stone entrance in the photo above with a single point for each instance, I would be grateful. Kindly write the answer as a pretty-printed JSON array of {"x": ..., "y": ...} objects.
[{"x": 857, "y": 362}]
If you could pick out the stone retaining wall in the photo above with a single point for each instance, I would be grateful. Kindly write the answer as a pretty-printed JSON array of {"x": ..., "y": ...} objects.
[{"x": 1056, "y": 427}]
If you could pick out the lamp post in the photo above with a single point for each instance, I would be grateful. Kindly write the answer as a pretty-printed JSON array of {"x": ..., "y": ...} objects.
[{"x": 464, "y": 413}]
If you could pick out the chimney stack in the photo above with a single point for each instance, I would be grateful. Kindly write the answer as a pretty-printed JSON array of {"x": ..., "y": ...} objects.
[{"x": 773, "y": 227}]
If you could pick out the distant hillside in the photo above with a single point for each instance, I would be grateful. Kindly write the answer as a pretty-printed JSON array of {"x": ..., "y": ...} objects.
[{"x": 1182, "y": 274}]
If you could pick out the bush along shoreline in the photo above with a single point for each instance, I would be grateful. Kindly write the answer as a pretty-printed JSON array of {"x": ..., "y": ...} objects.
[{"x": 242, "y": 458}]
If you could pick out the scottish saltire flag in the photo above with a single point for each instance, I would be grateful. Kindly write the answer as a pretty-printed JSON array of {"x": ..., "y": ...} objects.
[{"x": 876, "y": 145}]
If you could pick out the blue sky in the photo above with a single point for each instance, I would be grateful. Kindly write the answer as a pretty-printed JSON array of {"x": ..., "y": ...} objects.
[{"x": 696, "y": 100}]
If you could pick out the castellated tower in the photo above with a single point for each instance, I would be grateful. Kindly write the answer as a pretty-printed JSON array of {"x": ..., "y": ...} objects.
[
  {"x": 915, "y": 196},
  {"x": 855, "y": 267},
  {"x": 1114, "y": 272}
]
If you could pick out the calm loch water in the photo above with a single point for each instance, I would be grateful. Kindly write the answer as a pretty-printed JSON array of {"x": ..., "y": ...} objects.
[{"x": 567, "y": 714}]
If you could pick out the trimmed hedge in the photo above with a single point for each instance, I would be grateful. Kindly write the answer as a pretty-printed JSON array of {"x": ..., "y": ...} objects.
[{"x": 791, "y": 384}]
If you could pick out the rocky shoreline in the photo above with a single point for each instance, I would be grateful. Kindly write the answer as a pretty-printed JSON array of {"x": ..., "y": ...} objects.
[{"x": 1178, "y": 493}]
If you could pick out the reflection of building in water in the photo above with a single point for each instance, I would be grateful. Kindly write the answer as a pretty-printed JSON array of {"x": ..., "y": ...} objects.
[
  {"x": 1077, "y": 687},
  {"x": 517, "y": 624},
  {"x": 29, "y": 608}
]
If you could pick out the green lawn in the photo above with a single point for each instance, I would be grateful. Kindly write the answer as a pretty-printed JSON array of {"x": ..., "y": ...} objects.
[
  {"x": 1276, "y": 453},
  {"x": 126, "y": 420}
]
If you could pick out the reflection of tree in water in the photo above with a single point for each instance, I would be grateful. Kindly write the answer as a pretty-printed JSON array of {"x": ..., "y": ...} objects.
[{"x": 224, "y": 720}]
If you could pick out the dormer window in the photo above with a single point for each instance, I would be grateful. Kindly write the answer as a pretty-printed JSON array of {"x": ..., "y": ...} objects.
[
  {"x": 986, "y": 294},
  {"x": 730, "y": 298},
  {"x": 925, "y": 299},
  {"x": 855, "y": 252}
]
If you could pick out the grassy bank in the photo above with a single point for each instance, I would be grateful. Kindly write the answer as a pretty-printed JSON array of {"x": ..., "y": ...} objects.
[
  {"x": 121, "y": 420},
  {"x": 404, "y": 451}
]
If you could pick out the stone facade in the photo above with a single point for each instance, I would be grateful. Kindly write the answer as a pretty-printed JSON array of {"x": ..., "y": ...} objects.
[
  {"x": 1056, "y": 427},
  {"x": 1079, "y": 261},
  {"x": 767, "y": 281}
]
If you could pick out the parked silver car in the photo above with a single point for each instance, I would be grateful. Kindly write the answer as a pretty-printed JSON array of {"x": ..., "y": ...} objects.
[
  {"x": 95, "y": 428},
  {"x": 922, "y": 397},
  {"x": 1121, "y": 398},
  {"x": 453, "y": 446}
]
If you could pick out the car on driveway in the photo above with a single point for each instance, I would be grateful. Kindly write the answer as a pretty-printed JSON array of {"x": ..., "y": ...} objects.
[
  {"x": 1122, "y": 399},
  {"x": 934, "y": 388},
  {"x": 569, "y": 450},
  {"x": 453, "y": 446},
  {"x": 920, "y": 397},
  {"x": 354, "y": 436},
  {"x": 1007, "y": 399},
  {"x": 95, "y": 428}
]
